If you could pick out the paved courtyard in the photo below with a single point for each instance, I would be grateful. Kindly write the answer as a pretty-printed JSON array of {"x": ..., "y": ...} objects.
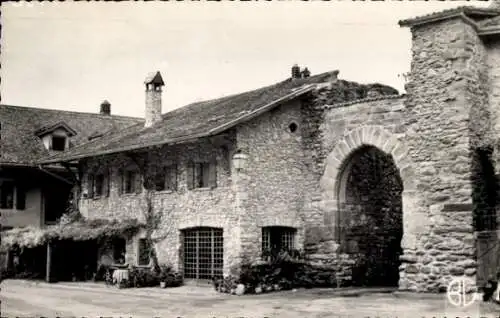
[{"x": 23, "y": 298}]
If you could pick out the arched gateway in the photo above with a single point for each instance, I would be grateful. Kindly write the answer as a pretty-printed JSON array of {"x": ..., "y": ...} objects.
[{"x": 367, "y": 177}]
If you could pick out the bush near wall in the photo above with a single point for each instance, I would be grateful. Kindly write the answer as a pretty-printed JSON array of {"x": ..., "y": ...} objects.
[{"x": 281, "y": 273}]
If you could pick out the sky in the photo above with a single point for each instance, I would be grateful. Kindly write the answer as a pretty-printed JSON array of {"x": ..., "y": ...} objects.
[{"x": 74, "y": 55}]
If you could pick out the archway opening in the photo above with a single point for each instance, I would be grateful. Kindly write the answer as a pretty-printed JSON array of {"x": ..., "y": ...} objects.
[{"x": 370, "y": 222}]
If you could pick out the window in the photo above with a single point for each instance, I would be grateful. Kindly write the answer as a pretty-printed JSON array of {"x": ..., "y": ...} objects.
[
  {"x": 99, "y": 185},
  {"x": 129, "y": 182},
  {"x": 144, "y": 252},
  {"x": 166, "y": 178},
  {"x": 58, "y": 143},
  {"x": 201, "y": 175},
  {"x": 203, "y": 253},
  {"x": 7, "y": 195},
  {"x": 278, "y": 238},
  {"x": 119, "y": 250}
]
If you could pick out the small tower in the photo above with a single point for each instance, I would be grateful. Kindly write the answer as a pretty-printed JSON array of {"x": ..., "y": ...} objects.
[
  {"x": 154, "y": 83},
  {"x": 295, "y": 72}
]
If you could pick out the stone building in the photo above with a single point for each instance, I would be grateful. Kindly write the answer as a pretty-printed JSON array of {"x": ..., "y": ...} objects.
[{"x": 389, "y": 189}]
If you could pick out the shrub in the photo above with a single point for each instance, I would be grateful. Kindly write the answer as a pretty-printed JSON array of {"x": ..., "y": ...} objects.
[
  {"x": 169, "y": 276},
  {"x": 143, "y": 277},
  {"x": 283, "y": 271}
]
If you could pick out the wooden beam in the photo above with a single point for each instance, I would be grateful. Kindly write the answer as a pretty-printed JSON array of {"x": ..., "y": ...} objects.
[{"x": 48, "y": 277}]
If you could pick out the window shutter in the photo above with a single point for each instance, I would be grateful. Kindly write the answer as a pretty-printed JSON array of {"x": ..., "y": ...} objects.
[
  {"x": 90, "y": 185},
  {"x": 174, "y": 177},
  {"x": 138, "y": 182},
  {"x": 190, "y": 175},
  {"x": 120, "y": 181},
  {"x": 212, "y": 173},
  {"x": 20, "y": 198},
  {"x": 107, "y": 182}
]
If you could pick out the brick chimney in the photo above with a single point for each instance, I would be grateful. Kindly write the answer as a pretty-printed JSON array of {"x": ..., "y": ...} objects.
[
  {"x": 105, "y": 108},
  {"x": 296, "y": 72},
  {"x": 154, "y": 83}
]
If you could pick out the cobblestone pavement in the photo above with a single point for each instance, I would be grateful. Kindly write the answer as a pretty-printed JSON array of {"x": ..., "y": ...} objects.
[{"x": 23, "y": 299}]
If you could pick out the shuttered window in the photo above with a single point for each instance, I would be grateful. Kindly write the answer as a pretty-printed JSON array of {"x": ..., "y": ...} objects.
[
  {"x": 131, "y": 181},
  {"x": 202, "y": 175}
]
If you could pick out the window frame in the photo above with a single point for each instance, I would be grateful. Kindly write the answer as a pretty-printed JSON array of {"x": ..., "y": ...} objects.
[
  {"x": 62, "y": 139},
  {"x": 99, "y": 180},
  {"x": 284, "y": 236},
  {"x": 129, "y": 181},
  {"x": 201, "y": 175}
]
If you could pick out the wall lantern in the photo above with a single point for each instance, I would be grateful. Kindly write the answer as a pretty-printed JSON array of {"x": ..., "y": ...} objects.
[{"x": 240, "y": 160}]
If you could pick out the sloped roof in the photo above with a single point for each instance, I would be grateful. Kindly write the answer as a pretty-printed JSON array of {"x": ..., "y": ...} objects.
[
  {"x": 202, "y": 119},
  {"x": 50, "y": 128},
  {"x": 154, "y": 78},
  {"x": 19, "y": 143},
  {"x": 474, "y": 13}
]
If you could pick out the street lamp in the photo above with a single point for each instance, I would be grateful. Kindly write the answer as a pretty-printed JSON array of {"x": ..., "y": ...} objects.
[{"x": 240, "y": 160}]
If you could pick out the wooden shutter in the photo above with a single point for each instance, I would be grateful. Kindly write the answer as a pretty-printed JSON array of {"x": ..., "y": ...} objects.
[
  {"x": 120, "y": 181},
  {"x": 212, "y": 173},
  {"x": 107, "y": 182},
  {"x": 174, "y": 177},
  {"x": 90, "y": 185},
  {"x": 190, "y": 175},
  {"x": 138, "y": 182}
]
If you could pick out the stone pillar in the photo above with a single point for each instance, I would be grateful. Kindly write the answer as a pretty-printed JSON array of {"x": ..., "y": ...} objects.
[
  {"x": 445, "y": 120},
  {"x": 240, "y": 180}
]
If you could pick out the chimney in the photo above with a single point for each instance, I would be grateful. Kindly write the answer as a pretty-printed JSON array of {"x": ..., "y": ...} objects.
[
  {"x": 306, "y": 73},
  {"x": 153, "y": 83},
  {"x": 105, "y": 108},
  {"x": 295, "y": 72}
]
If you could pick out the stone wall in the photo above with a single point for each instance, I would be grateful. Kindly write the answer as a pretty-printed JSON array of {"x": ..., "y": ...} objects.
[
  {"x": 446, "y": 117},
  {"x": 274, "y": 181},
  {"x": 340, "y": 121},
  {"x": 181, "y": 209}
]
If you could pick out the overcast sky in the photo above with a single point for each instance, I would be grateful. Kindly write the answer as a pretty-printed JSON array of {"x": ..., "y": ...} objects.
[{"x": 74, "y": 55}]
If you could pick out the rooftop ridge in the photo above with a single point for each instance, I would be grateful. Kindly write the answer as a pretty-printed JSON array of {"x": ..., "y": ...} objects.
[{"x": 70, "y": 112}]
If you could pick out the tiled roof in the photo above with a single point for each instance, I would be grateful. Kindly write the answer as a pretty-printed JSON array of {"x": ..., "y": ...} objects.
[
  {"x": 469, "y": 11},
  {"x": 201, "y": 119},
  {"x": 493, "y": 22},
  {"x": 19, "y": 143}
]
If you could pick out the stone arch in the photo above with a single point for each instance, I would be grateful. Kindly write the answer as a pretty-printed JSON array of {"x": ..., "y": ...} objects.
[
  {"x": 368, "y": 135},
  {"x": 339, "y": 163},
  {"x": 371, "y": 135}
]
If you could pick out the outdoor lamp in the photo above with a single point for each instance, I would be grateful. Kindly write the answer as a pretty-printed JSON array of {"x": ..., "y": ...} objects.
[{"x": 240, "y": 160}]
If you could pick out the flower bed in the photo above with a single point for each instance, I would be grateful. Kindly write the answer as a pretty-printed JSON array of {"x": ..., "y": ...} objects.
[
  {"x": 147, "y": 277},
  {"x": 282, "y": 273}
]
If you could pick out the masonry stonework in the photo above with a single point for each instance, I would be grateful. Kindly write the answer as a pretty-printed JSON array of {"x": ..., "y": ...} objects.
[
  {"x": 446, "y": 119},
  {"x": 302, "y": 154}
]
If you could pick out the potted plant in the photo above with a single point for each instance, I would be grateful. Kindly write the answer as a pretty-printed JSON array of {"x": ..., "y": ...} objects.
[{"x": 164, "y": 275}]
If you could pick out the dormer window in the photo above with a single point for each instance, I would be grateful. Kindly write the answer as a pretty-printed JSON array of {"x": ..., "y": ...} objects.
[
  {"x": 56, "y": 137},
  {"x": 58, "y": 143}
]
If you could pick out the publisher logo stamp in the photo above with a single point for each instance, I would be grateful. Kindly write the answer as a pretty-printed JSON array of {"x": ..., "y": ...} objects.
[{"x": 461, "y": 292}]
